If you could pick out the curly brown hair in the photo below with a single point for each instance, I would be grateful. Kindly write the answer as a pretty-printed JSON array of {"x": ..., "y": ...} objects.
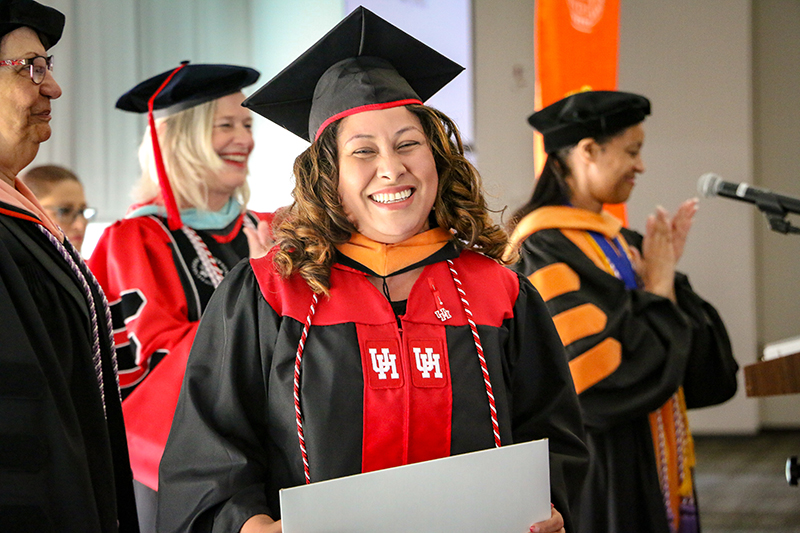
[{"x": 308, "y": 230}]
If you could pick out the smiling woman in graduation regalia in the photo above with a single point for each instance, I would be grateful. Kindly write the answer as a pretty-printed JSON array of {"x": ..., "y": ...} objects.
[
  {"x": 63, "y": 457},
  {"x": 643, "y": 346},
  {"x": 161, "y": 263},
  {"x": 308, "y": 363}
]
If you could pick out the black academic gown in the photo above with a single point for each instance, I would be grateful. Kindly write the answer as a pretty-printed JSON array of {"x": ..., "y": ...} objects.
[
  {"x": 63, "y": 465},
  {"x": 663, "y": 346},
  {"x": 234, "y": 440}
]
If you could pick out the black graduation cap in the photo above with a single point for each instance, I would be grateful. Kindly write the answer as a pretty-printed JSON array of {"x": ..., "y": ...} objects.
[
  {"x": 176, "y": 90},
  {"x": 363, "y": 63},
  {"x": 190, "y": 86},
  {"x": 588, "y": 114},
  {"x": 46, "y": 21}
]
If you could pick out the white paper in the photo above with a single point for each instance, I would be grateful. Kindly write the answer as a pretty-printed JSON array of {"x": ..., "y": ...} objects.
[
  {"x": 781, "y": 348},
  {"x": 499, "y": 490}
]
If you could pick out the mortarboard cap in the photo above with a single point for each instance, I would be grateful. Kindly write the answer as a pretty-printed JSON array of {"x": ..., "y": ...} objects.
[
  {"x": 190, "y": 86},
  {"x": 46, "y": 21},
  {"x": 363, "y": 63},
  {"x": 588, "y": 114}
]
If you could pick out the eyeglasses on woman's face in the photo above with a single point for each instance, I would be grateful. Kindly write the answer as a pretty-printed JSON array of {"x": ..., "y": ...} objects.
[
  {"x": 67, "y": 215},
  {"x": 37, "y": 66}
]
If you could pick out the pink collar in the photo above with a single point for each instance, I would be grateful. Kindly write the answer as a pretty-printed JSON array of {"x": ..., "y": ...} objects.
[{"x": 22, "y": 198}]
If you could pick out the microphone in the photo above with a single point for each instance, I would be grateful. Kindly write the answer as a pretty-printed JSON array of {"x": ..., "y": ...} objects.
[{"x": 710, "y": 185}]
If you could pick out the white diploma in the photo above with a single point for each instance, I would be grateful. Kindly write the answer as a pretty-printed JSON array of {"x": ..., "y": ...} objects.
[{"x": 502, "y": 490}]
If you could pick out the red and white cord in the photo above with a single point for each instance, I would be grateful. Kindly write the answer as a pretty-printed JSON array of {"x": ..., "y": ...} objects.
[
  {"x": 210, "y": 265},
  {"x": 297, "y": 410},
  {"x": 484, "y": 367}
]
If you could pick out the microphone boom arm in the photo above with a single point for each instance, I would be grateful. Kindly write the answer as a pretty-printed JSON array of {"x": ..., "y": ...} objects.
[
  {"x": 775, "y": 207},
  {"x": 776, "y": 213}
]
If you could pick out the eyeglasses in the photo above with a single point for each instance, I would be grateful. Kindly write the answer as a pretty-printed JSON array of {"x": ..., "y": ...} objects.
[
  {"x": 38, "y": 66},
  {"x": 68, "y": 215}
]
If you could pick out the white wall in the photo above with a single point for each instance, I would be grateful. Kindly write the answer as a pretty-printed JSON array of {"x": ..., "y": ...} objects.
[
  {"x": 503, "y": 77},
  {"x": 776, "y": 77},
  {"x": 692, "y": 59}
]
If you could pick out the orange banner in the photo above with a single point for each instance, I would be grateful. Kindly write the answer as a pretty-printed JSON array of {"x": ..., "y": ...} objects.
[{"x": 576, "y": 45}]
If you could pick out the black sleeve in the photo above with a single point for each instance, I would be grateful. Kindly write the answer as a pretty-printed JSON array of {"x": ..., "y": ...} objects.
[
  {"x": 544, "y": 399},
  {"x": 710, "y": 376},
  {"x": 213, "y": 472}
]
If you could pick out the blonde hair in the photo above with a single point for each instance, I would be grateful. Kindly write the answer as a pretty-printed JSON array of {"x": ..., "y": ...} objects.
[
  {"x": 307, "y": 231},
  {"x": 189, "y": 158}
]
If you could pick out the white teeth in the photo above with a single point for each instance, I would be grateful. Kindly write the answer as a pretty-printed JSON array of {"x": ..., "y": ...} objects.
[
  {"x": 235, "y": 158},
  {"x": 392, "y": 197}
]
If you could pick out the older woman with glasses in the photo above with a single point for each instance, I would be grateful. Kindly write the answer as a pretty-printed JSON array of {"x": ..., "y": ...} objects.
[
  {"x": 64, "y": 462},
  {"x": 61, "y": 194}
]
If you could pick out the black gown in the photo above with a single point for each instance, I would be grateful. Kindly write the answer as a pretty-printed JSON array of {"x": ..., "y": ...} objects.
[
  {"x": 630, "y": 351},
  {"x": 234, "y": 440},
  {"x": 63, "y": 465}
]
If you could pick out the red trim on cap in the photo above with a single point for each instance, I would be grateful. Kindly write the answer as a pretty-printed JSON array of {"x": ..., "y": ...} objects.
[
  {"x": 361, "y": 109},
  {"x": 173, "y": 214}
]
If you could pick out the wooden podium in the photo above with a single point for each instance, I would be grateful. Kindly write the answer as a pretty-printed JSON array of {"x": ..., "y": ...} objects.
[
  {"x": 769, "y": 378},
  {"x": 773, "y": 377}
]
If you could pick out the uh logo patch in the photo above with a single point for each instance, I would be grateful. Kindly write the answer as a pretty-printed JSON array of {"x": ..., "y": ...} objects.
[{"x": 426, "y": 359}]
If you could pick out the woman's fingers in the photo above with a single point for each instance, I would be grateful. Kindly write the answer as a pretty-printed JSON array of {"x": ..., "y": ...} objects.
[
  {"x": 658, "y": 255},
  {"x": 259, "y": 241},
  {"x": 554, "y": 524},
  {"x": 681, "y": 224},
  {"x": 636, "y": 260}
]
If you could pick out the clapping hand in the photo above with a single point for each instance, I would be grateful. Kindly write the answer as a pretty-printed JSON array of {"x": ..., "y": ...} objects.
[{"x": 662, "y": 247}]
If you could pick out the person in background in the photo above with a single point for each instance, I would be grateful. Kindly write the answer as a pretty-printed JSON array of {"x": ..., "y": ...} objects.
[
  {"x": 161, "y": 263},
  {"x": 386, "y": 252},
  {"x": 64, "y": 461},
  {"x": 642, "y": 345},
  {"x": 60, "y": 192}
]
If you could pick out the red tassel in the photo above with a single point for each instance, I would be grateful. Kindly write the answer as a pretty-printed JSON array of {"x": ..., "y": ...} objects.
[{"x": 173, "y": 214}]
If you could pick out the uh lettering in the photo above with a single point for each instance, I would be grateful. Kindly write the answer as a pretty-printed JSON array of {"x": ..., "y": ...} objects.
[
  {"x": 384, "y": 362},
  {"x": 427, "y": 361}
]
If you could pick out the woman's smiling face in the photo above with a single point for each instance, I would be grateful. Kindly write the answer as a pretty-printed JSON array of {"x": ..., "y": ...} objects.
[
  {"x": 232, "y": 140},
  {"x": 387, "y": 174},
  {"x": 24, "y": 106},
  {"x": 610, "y": 170}
]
